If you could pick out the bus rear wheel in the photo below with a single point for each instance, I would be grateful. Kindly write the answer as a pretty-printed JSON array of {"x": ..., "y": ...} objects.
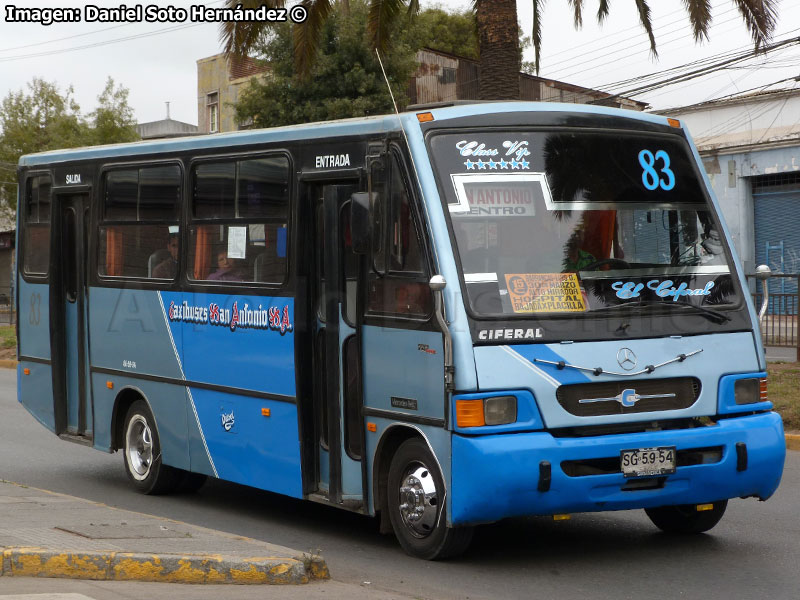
[
  {"x": 685, "y": 518},
  {"x": 142, "y": 453},
  {"x": 416, "y": 503}
]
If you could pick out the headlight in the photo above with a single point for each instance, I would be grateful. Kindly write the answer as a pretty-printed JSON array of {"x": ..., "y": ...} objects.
[
  {"x": 500, "y": 410},
  {"x": 750, "y": 391}
]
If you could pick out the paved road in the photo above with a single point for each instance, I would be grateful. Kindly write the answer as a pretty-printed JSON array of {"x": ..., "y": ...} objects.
[{"x": 753, "y": 553}]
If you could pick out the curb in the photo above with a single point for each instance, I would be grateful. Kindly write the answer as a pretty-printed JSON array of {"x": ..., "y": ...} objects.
[
  {"x": 793, "y": 441},
  {"x": 201, "y": 569},
  {"x": 8, "y": 363}
]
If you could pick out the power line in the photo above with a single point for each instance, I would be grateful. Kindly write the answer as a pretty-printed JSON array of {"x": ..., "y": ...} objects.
[
  {"x": 97, "y": 44},
  {"x": 701, "y": 71},
  {"x": 638, "y": 44},
  {"x": 607, "y": 56},
  {"x": 70, "y": 37}
]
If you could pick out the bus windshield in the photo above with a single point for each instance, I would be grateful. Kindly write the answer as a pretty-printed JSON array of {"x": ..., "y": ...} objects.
[{"x": 574, "y": 222}]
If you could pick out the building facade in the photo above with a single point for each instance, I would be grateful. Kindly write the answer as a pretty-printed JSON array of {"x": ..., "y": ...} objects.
[
  {"x": 219, "y": 83},
  {"x": 750, "y": 146},
  {"x": 443, "y": 77},
  {"x": 440, "y": 77}
]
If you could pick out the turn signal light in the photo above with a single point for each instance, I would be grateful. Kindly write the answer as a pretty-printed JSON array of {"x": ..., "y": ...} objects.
[
  {"x": 762, "y": 389},
  {"x": 469, "y": 413},
  {"x": 425, "y": 117},
  {"x": 674, "y": 123}
]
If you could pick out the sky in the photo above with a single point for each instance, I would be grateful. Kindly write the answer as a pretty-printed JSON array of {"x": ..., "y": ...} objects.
[{"x": 157, "y": 61}]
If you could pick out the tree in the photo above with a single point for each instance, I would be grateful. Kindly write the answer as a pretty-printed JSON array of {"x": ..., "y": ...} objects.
[
  {"x": 239, "y": 37},
  {"x": 497, "y": 24},
  {"x": 346, "y": 78},
  {"x": 113, "y": 121},
  {"x": 497, "y": 31},
  {"x": 45, "y": 119}
]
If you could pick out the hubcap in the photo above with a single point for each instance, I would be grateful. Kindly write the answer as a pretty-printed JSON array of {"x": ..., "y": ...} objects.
[
  {"x": 139, "y": 447},
  {"x": 419, "y": 500}
]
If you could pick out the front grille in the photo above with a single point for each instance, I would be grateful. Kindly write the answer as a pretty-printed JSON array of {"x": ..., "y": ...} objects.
[{"x": 686, "y": 391}]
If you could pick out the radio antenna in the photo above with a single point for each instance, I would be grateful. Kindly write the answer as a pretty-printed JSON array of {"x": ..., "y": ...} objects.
[
  {"x": 386, "y": 79},
  {"x": 410, "y": 153}
]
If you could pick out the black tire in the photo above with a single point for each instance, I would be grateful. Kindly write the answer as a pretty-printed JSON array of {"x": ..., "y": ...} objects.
[
  {"x": 685, "y": 518},
  {"x": 422, "y": 531},
  {"x": 141, "y": 449}
]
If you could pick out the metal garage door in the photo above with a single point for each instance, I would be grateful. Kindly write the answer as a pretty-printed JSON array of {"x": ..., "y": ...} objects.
[{"x": 776, "y": 200}]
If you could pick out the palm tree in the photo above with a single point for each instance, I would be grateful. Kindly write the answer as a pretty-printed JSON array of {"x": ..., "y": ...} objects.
[
  {"x": 238, "y": 38},
  {"x": 497, "y": 24},
  {"x": 498, "y": 31}
]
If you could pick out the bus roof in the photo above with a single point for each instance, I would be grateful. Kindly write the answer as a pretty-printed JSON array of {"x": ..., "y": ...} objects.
[{"x": 325, "y": 129}]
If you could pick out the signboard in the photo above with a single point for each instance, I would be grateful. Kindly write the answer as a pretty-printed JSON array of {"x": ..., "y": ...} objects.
[
  {"x": 511, "y": 195},
  {"x": 545, "y": 292}
]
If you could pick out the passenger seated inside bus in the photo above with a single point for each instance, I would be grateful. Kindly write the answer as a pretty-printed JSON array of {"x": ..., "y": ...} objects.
[
  {"x": 227, "y": 268},
  {"x": 166, "y": 261}
]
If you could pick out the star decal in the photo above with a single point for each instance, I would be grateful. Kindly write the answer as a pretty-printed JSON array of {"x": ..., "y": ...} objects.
[
  {"x": 482, "y": 165},
  {"x": 492, "y": 164},
  {"x": 514, "y": 164},
  {"x": 525, "y": 164},
  {"x": 470, "y": 165},
  {"x": 503, "y": 163}
]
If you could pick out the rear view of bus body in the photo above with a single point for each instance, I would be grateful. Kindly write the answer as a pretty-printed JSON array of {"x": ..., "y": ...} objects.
[{"x": 445, "y": 318}]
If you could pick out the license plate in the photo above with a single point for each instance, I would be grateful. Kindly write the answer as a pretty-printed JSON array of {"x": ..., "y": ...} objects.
[{"x": 642, "y": 462}]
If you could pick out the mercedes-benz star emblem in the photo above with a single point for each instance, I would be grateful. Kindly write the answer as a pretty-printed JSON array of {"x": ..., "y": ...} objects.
[{"x": 626, "y": 359}]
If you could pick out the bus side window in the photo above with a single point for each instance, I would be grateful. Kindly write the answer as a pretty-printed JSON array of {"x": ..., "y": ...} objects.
[
  {"x": 404, "y": 289},
  {"x": 248, "y": 201},
  {"x": 139, "y": 228},
  {"x": 36, "y": 252}
]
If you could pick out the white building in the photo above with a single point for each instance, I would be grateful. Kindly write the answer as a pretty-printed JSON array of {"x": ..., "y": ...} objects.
[{"x": 750, "y": 145}]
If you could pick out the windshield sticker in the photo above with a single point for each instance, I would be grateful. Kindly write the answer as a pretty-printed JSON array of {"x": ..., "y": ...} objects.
[
  {"x": 545, "y": 292},
  {"x": 662, "y": 289},
  {"x": 511, "y": 157}
]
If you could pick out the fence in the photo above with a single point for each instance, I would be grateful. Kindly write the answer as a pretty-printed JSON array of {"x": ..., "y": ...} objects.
[
  {"x": 8, "y": 315},
  {"x": 780, "y": 323}
]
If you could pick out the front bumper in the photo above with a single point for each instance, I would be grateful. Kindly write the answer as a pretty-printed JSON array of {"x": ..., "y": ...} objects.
[{"x": 498, "y": 476}]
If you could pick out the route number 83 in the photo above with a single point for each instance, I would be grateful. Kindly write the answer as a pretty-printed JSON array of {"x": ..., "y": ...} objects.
[{"x": 652, "y": 179}]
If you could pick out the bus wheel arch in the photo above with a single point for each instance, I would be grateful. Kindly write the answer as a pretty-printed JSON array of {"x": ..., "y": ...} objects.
[
  {"x": 411, "y": 494},
  {"x": 122, "y": 403},
  {"x": 390, "y": 441}
]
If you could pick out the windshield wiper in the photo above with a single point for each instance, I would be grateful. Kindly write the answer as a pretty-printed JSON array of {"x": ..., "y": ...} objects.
[{"x": 713, "y": 315}]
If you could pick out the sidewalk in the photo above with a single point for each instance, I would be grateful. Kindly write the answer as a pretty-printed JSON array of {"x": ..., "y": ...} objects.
[{"x": 45, "y": 534}]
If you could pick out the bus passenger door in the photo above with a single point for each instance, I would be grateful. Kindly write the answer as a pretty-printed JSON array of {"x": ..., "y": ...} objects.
[
  {"x": 68, "y": 319},
  {"x": 337, "y": 351}
]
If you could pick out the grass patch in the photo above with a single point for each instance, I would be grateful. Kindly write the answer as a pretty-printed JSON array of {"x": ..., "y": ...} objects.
[
  {"x": 784, "y": 392},
  {"x": 8, "y": 337}
]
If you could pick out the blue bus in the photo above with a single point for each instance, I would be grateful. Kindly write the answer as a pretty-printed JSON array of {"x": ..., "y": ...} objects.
[{"x": 442, "y": 318}]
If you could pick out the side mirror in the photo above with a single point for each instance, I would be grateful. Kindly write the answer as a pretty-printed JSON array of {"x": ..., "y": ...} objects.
[{"x": 362, "y": 216}]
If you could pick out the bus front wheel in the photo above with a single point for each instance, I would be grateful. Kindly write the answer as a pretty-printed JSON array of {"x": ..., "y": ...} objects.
[
  {"x": 142, "y": 451},
  {"x": 416, "y": 502},
  {"x": 686, "y": 518}
]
